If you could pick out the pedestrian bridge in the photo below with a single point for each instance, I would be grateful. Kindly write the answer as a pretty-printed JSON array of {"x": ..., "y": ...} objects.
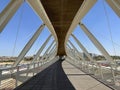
[{"x": 62, "y": 66}]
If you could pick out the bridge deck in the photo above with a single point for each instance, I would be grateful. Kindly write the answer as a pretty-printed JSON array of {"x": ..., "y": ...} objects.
[
  {"x": 54, "y": 78},
  {"x": 80, "y": 80}
]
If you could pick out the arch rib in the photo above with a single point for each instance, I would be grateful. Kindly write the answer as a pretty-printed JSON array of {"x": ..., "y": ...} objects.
[
  {"x": 41, "y": 49},
  {"x": 96, "y": 43},
  {"x": 86, "y": 6},
  {"x": 47, "y": 50},
  {"x": 8, "y": 12},
  {"x": 82, "y": 47},
  {"x": 38, "y": 8},
  {"x": 28, "y": 45},
  {"x": 115, "y": 5},
  {"x": 79, "y": 55}
]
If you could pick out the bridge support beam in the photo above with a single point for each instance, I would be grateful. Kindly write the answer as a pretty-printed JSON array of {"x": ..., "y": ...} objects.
[
  {"x": 115, "y": 5},
  {"x": 8, "y": 12},
  {"x": 83, "y": 48},
  {"x": 47, "y": 50},
  {"x": 28, "y": 45},
  {"x": 70, "y": 51},
  {"x": 99, "y": 46},
  {"x": 53, "y": 50},
  {"x": 86, "y": 6},
  {"x": 41, "y": 49},
  {"x": 79, "y": 55},
  {"x": 50, "y": 47},
  {"x": 68, "y": 46},
  {"x": 39, "y": 9},
  {"x": 96, "y": 43}
]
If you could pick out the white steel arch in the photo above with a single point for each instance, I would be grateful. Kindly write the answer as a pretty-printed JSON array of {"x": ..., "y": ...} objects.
[
  {"x": 8, "y": 12},
  {"x": 85, "y": 7},
  {"x": 115, "y": 5},
  {"x": 41, "y": 48},
  {"x": 28, "y": 45},
  {"x": 38, "y": 8}
]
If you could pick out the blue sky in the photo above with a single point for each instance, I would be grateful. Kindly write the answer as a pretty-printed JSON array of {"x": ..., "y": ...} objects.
[
  {"x": 96, "y": 21},
  {"x": 26, "y": 22}
]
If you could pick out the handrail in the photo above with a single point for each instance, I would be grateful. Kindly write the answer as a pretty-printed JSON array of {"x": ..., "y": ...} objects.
[{"x": 15, "y": 72}]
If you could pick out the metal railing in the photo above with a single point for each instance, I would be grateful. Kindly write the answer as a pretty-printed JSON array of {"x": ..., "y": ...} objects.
[
  {"x": 100, "y": 71},
  {"x": 13, "y": 76}
]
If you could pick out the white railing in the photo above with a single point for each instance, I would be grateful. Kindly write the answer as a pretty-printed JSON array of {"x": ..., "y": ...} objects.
[
  {"x": 100, "y": 71},
  {"x": 14, "y": 76}
]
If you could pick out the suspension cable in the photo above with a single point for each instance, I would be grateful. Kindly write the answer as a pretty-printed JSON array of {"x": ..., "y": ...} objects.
[
  {"x": 109, "y": 27},
  {"x": 101, "y": 35},
  {"x": 18, "y": 29}
]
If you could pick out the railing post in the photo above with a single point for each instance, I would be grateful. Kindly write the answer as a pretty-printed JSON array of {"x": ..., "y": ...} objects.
[
  {"x": 0, "y": 75},
  {"x": 37, "y": 67},
  {"x": 33, "y": 68},
  {"x": 113, "y": 74},
  {"x": 28, "y": 67},
  {"x": 88, "y": 67},
  {"x": 101, "y": 73},
  {"x": 17, "y": 76},
  {"x": 39, "y": 64},
  {"x": 82, "y": 66},
  {"x": 93, "y": 68}
]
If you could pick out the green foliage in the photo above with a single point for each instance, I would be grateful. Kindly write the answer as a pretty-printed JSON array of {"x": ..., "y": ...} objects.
[
  {"x": 28, "y": 58},
  {"x": 100, "y": 57},
  {"x": 7, "y": 61}
]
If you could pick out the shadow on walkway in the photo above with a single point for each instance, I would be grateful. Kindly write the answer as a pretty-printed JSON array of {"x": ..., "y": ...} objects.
[{"x": 52, "y": 78}]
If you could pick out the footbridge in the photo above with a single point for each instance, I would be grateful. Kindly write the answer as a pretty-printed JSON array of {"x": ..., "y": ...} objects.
[{"x": 62, "y": 66}]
